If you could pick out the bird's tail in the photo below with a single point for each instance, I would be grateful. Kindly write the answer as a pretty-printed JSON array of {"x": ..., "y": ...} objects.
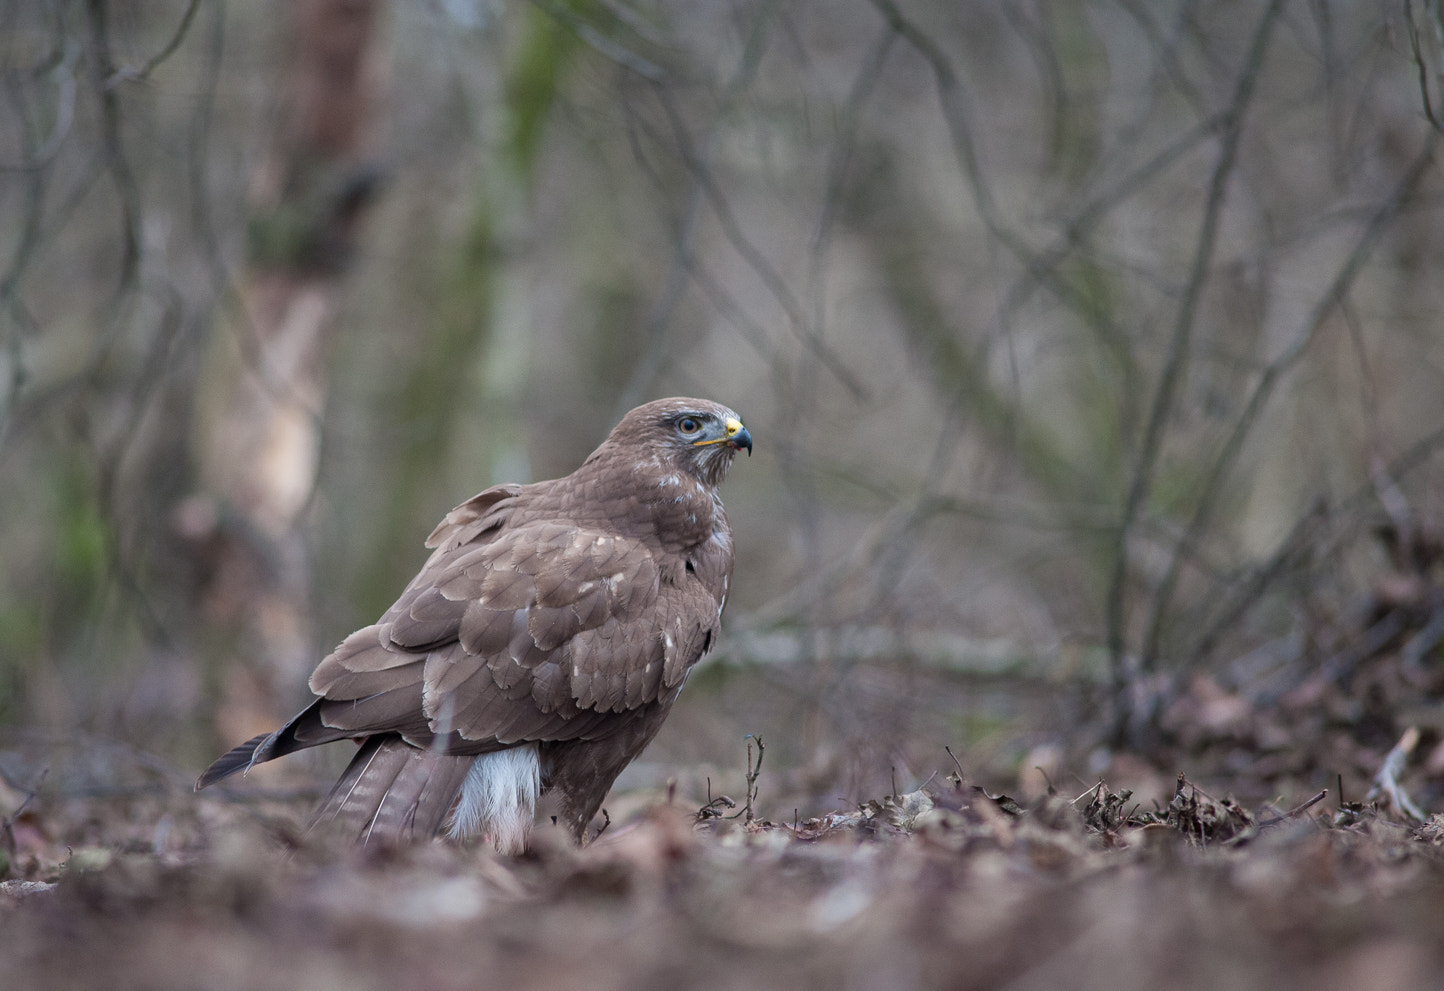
[
  {"x": 393, "y": 792},
  {"x": 237, "y": 759},
  {"x": 305, "y": 729}
]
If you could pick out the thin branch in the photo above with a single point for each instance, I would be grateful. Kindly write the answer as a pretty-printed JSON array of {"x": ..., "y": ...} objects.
[
  {"x": 1421, "y": 64},
  {"x": 684, "y": 228},
  {"x": 1248, "y": 590},
  {"x": 1142, "y": 12},
  {"x": 1269, "y": 380},
  {"x": 840, "y": 156},
  {"x": 958, "y": 118},
  {"x": 36, "y": 157},
  {"x": 754, "y": 772},
  {"x": 128, "y": 74},
  {"x": 113, "y": 152},
  {"x": 601, "y": 44},
  {"x": 1386, "y": 782},
  {"x": 12, "y": 310},
  {"x": 755, "y": 259},
  {"x": 1294, "y": 812},
  {"x": 1176, "y": 361}
]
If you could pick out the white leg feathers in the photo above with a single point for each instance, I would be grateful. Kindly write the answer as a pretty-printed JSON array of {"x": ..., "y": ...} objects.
[{"x": 498, "y": 798}]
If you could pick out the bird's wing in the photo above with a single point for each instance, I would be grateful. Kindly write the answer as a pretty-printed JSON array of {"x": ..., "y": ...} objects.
[{"x": 518, "y": 631}]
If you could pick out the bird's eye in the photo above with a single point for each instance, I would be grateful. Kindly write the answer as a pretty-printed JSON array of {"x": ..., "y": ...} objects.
[{"x": 689, "y": 425}]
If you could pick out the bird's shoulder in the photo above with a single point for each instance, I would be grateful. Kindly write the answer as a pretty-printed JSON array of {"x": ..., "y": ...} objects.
[
  {"x": 487, "y": 510},
  {"x": 524, "y": 606}
]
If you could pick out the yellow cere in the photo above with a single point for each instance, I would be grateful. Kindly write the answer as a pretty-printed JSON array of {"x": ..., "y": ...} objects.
[{"x": 731, "y": 425}]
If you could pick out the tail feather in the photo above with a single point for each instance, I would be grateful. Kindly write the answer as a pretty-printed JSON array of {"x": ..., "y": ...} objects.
[
  {"x": 392, "y": 792},
  {"x": 354, "y": 789},
  {"x": 305, "y": 729},
  {"x": 237, "y": 759}
]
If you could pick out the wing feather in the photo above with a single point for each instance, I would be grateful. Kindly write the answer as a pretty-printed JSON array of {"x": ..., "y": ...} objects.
[
  {"x": 464, "y": 524},
  {"x": 524, "y": 631}
]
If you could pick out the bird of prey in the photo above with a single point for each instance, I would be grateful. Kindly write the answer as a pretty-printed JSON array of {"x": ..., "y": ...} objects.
[{"x": 540, "y": 647}]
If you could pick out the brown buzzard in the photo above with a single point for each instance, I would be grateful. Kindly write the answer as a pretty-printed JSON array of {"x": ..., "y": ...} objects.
[{"x": 540, "y": 647}]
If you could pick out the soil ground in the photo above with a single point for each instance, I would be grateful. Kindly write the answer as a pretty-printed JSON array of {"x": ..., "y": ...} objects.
[{"x": 122, "y": 878}]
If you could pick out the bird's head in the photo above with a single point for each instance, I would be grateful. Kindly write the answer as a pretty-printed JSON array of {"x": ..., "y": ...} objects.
[{"x": 695, "y": 436}]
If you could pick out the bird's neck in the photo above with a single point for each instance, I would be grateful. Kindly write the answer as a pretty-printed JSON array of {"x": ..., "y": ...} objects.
[{"x": 666, "y": 505}]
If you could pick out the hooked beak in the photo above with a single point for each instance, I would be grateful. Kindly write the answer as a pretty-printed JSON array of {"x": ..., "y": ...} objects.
[{"x": 734, "y": 435}]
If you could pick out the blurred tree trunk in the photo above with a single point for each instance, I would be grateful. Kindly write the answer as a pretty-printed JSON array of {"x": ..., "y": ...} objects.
[{"x": 260, "y": 417}]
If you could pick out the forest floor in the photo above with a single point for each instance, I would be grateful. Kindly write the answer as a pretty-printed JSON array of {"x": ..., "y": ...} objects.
[
  {"x": 114, "y": 874},
  {"x": 945, "y": 886}
]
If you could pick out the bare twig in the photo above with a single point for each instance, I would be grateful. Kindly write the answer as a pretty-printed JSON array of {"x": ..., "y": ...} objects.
[
  {"x": 1176, "y": 361},
  {"x": 1421, "y": 63},
  {"x": 1041, "y": 269},
  {"x": 1247, "y": 591},
  {"x": 1269, "y": 380},
  {"x": 37, "y": 155},
  {"x": 957, "y": 117},
  {"x": 116, "y": 162},
  {"x": 754, "y": 771},
  {"x": 776, "y": 285},
  {"x": 1386, "y": 782},
  {"x": 862, "y": 88},
  {"x": 613, "y": 50},
  {"x": 130, "y": 75},
  {"x": 711, "y": 809},
  {"x": 696, "y": 157},
  {"x": 959, "y": 764},
  {"x": 1294, "y": 812},
  {"x": 1094, "y": 790}
]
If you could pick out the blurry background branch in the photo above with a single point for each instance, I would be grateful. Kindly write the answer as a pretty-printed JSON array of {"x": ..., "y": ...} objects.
[
  {"x": 261, "y": 410},
  {"x": 1179, "y": 353},
  {"x": 1092, "y": 342}
]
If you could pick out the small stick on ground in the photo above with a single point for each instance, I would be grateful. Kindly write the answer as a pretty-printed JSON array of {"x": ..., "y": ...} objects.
[
  {"x": 754, "y": 771},
  {"x": 711, "y": 809},
  {"x": 961, "y": 776},
  {"x": 1295, "y": 812},
  {"x": 1386, "y": 782}
]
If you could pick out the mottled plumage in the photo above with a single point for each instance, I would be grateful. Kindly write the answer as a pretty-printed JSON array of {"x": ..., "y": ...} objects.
[{"x": 540, "y": 646}]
